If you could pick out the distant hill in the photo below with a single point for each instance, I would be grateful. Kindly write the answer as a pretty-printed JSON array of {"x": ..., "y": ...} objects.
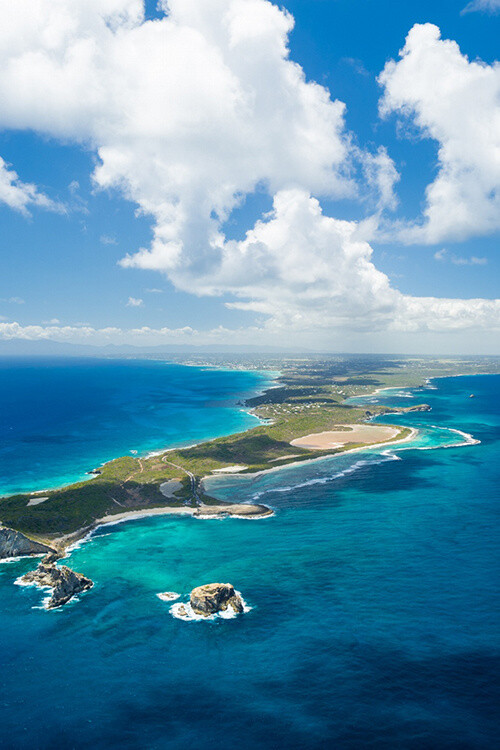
[{"x": 25, "y": 348}]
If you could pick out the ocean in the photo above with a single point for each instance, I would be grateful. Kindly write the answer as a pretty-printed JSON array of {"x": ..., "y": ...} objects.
[
  {"x": 60, "y": 418},
  {"x": 374, "y": 596}
]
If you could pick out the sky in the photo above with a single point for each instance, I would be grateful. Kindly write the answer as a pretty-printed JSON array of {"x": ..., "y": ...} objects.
[{"x": 322, "y": 174}]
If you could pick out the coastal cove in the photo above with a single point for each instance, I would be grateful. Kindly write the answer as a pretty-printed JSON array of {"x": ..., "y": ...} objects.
[{"x": 373, "y": 584}]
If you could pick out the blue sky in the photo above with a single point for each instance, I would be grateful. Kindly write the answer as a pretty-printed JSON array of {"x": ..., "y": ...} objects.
[{"x": 61, "y": 250}]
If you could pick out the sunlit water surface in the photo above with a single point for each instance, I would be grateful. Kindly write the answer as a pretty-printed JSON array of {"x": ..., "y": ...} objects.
[{"x": 374, "y": 623}]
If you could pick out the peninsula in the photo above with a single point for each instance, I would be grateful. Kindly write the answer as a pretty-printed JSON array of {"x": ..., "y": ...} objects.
[{"x": 306, "y": 415}]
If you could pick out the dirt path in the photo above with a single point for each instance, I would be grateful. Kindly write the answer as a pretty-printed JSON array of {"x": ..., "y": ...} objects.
[{"x": 134, "y": 472}]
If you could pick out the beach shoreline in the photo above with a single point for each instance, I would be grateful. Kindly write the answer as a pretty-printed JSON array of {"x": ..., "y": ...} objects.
[
  {"x": 89, "y": 475},
  {"x": 412, "y": 435},
  {"x": 203, "y": 480},
  {"x": 67, "y": 543},
  {"x": 422, "y": 385}
]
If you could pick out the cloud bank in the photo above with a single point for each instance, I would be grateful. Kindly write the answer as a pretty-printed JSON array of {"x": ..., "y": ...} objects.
[{"x": 190, "y": 113}]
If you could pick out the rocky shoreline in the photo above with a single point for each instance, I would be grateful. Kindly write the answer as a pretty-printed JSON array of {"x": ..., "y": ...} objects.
[
  {"x": 14, "y": 544},
  {"x": 65, "y": 583}
]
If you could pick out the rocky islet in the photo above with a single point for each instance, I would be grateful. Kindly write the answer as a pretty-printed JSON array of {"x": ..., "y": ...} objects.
[{"x": 64, "y": 582}]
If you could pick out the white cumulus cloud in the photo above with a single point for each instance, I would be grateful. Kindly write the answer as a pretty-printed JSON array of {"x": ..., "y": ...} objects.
[
  {"x": 301, "y": 269},
  {"x": 191, "y": 112},
  {"x": 86, "y": 334},
  {"x": 456, "y": 102}
]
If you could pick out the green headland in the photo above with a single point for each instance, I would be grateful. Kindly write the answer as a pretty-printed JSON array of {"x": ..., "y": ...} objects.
[{"x": 310, "y": 397}]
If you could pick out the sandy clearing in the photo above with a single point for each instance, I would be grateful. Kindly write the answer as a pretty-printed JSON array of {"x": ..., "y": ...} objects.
[
  {"x": 356, "y": 433},
  {"x": 230, "y": 469},
  {"x": 282, "y": 458},
  {"x": 168, "y": 488},
  {"x": 37, "y": 500}
]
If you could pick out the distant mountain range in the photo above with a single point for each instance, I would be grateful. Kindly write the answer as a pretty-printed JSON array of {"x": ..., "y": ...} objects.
[{"x": 26, "y": 348}]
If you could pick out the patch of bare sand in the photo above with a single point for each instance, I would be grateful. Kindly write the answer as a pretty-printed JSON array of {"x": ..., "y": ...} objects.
[
  {"x": 37, "y": 500},
  {"x": 356, "y": 433},
  {"x": 169, "y": 487},
  {"x": 230, "y": 469}
]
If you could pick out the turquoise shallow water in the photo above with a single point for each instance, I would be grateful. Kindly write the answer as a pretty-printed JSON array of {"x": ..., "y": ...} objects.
[
  {"x": 374, "y": 624},
  {"x": 60, "y": 418}
]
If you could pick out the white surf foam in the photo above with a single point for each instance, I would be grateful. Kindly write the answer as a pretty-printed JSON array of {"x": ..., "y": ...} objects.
[
  {"x": 168, "y": 596},
  {"x": 19, "y": 558},
  {"x": 79, "y": 543},
  {"x": 467, "y": 440},
  {"x": 383, "y": 457},
  {"x": 184, "y": 611}
]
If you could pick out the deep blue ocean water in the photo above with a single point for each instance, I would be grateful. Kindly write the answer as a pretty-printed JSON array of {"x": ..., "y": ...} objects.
[
  {"x": 60, "y": 418},
  {"x": 374, "y": 623}
]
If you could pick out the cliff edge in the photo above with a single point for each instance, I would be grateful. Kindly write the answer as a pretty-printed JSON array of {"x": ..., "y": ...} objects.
[{"x": 15, "y": 544}]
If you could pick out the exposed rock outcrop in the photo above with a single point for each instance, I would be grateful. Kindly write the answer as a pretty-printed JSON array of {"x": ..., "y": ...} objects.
[
  {"x": 243, "y": 510},
  {"x": 51, "y": 557},
  {"x": 168, "y": 596},
  {"x": 15, "y": 544},
  {"x": 405, "y": 409},
  {"x": 63, "y": 581},
  {"x": 214, "y": 598}
]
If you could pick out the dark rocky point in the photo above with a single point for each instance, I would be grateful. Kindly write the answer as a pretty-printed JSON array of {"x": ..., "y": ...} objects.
[
  {"x": 63, "y": 581},
  {"x": 247, "y": 510},
  {"x": 15, "y": 544},
  {"x": 51, "y": 558},
  {"x": 405, "y": 409}
]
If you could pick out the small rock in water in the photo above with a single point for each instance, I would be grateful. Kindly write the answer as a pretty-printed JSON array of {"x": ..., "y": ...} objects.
[
  {"x": 168, "y": 596},
  {"x": 182, "y": 611},
  {"x": 213, "y": 598}
]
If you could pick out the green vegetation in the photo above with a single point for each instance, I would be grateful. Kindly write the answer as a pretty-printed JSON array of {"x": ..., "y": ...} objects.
[{"x": 312, "y": 398}]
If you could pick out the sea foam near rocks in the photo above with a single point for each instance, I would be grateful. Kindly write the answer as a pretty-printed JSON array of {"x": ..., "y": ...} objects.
[
  {"x": 184, "y": 611},
  {"x": 168, "y": 596}
]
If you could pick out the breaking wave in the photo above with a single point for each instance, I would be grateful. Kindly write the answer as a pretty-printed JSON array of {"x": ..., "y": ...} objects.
[
  {"x": 382, "y": 458},
  {"x": 467, "y": 440}
]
